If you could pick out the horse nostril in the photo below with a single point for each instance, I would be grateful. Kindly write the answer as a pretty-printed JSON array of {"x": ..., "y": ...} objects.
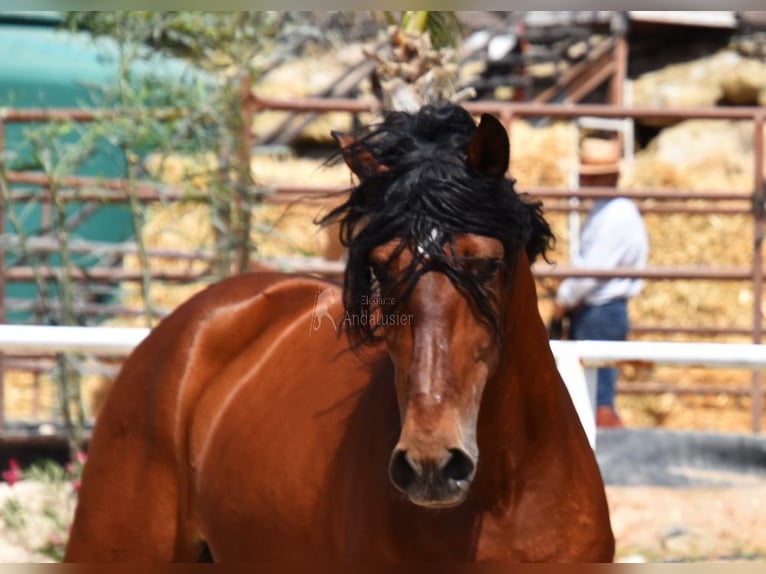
[
  {"x": 401, "y": 471},
  {"x": 459, "y": 466}
]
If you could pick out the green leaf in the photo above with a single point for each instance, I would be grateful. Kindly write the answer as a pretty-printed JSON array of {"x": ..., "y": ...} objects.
[{"x": 444, "y": 29}]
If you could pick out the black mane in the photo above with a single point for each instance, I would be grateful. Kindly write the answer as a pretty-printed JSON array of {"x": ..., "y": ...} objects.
[{"x": 426, "y": 186}]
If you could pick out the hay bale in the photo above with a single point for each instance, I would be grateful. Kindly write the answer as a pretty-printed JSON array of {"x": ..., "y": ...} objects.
[
  {"x": 745, "y": 83},
  {"x": 703, "y": 155},
  {"x": 724, "y": 76},
  {"x": 307, "y": 77},
  {"x": 543, "y": 156}
]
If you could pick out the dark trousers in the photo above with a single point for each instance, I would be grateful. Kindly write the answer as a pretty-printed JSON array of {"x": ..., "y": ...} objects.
[{"x": 607, "y": 322}]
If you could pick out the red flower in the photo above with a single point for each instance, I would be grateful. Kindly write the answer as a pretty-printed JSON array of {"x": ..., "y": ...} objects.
[{"x": 13, "y": 474}]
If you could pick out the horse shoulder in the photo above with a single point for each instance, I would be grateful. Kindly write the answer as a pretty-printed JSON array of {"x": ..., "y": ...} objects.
[{"x": 293, "y": 404}]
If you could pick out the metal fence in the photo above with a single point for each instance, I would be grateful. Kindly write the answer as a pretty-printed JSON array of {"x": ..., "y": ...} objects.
[{"x": 751, "y": 202}]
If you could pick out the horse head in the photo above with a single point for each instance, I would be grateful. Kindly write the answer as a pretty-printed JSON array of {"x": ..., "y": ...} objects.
[{"x": 434, "y": 230}]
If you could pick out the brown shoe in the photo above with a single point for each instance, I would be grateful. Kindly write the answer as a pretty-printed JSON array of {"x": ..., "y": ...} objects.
[{"x": 607, "y": 417}]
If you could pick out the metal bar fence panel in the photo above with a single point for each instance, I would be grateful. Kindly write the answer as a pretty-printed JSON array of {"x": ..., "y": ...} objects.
[{"x": 113, "y": 190}]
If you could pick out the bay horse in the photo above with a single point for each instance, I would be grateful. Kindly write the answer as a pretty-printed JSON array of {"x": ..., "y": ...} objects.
[{"x": 427, "y": 421}]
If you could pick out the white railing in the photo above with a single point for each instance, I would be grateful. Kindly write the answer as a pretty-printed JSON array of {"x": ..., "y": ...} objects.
[
  {"x": 577, "y": 360},
  {"x": 34, "y": 339}
]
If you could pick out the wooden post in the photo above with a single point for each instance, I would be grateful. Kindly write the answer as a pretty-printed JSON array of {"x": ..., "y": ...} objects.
[
  {"x": 759, "y": 228},
  {"x": 619, "y": 28}
]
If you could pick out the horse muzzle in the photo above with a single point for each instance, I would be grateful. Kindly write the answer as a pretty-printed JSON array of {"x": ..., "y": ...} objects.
[{"x": 432, "y": 482}]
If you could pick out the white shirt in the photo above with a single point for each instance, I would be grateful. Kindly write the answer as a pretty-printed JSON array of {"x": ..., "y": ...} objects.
[{"x": 613, "y": 235}]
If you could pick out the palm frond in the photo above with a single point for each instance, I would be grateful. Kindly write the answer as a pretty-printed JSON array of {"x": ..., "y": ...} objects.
[{"x": 444, "y": 29}]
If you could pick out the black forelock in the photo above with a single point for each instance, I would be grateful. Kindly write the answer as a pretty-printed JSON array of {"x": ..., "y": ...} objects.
[{"x": 424, "y": 188}]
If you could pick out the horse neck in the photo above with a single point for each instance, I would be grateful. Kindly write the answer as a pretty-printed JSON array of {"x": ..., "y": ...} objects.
[{"x": 521, "y": 403}]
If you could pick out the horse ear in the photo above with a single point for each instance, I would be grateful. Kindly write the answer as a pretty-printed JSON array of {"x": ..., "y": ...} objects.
[
  {"x": 489, "y": 149},
  {"x": 358, "y": 159}
]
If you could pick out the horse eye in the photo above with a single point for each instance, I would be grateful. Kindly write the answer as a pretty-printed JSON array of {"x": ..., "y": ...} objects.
[{"x": 487, "y": 269}]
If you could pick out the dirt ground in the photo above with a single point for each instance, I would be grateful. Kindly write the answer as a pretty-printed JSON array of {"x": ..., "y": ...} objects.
[
  {"x": 654, "y": 524},
  {"x": 650, "y": 524}
]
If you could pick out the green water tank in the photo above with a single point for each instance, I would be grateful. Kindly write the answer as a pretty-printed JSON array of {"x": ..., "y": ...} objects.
[{"x": 43, "y": 65}]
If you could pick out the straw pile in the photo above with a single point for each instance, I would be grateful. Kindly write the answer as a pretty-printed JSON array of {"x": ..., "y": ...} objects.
[
  {"x": 308, "y": 77},
  {"x": 277, "y": 229},
  {"x": 724, "y": 77},
  {"x": 706, "y": 156}
]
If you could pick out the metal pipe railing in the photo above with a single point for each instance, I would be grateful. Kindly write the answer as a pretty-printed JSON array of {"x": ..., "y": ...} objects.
[
  {"x": 577, "y": 359},
  {"x": 759, "y": 227},
  {"x": 507, "y": 111},
  {"x": 521, "y": 109}
]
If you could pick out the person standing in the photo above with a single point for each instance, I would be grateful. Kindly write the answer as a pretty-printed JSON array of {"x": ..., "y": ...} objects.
[{"x": 612, "y": 236}]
